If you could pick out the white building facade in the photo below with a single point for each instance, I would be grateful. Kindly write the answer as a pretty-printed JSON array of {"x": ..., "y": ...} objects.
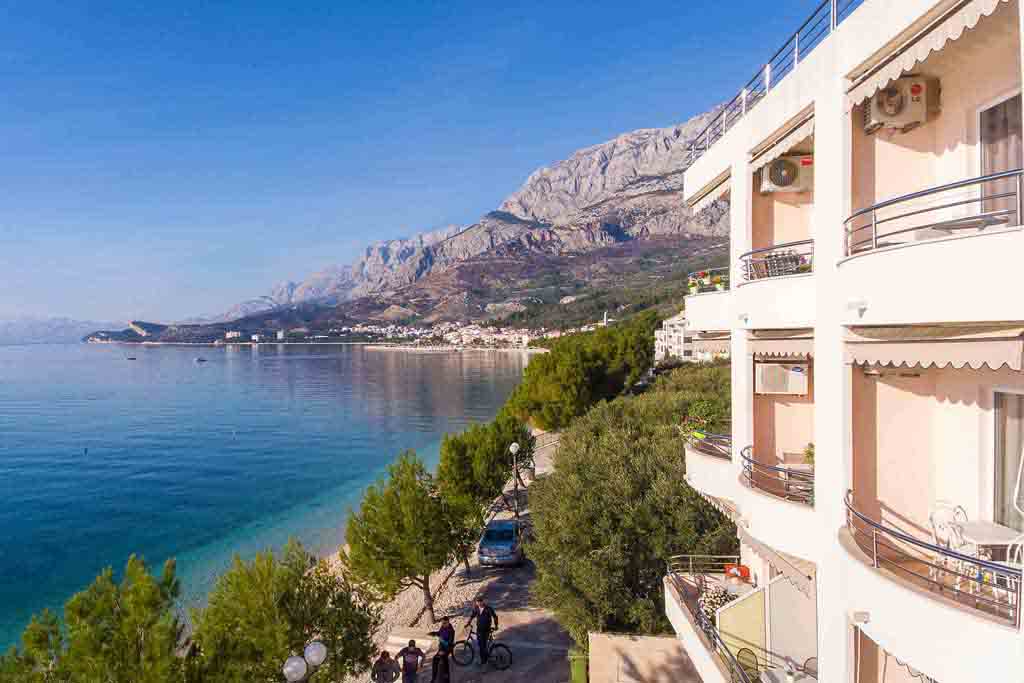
[
  {"x": 876, "y": 331},
  {"x": 672, "y": 341}
]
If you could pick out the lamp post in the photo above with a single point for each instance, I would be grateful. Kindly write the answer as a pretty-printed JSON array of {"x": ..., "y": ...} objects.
[
  {"x": 514, "y": 449},
  {"x": 298, "y": 669}
]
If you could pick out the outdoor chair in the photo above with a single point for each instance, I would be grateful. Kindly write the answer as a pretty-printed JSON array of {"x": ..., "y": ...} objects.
[
  {"x": 811, "y": 667},
  {"x": 748, "y": 662}
]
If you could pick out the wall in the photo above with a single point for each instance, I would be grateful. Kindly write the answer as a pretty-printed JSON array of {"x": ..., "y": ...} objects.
[
  {"x": 620, "y": 658},
  {"x": 780, "y": 217},
  {"x": 874, "y": 665},
  {"x": 935, "y": 430},
  {"x": 783, "y": 424},
  {"x": 792, "y": 622},
  {"x": 742, "y": 624},
  {"x": 974, "y": 71}
]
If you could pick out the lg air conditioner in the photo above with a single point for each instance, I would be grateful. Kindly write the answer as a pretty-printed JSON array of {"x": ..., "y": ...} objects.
[
  {"x": 902, "y": 106},
  {"x": 781, "y": 378},
  {"x": 789, "y": 174}
]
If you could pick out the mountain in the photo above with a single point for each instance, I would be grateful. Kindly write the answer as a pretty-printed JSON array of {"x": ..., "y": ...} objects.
[
  {"x": 33, "y": 330},
  {"x": 629, "y": 188}
]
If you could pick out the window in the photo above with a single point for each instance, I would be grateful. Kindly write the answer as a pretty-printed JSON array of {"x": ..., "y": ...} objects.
[
  {"x": 1009, "y": 444},
  {"x": 1002, "y": 150}
]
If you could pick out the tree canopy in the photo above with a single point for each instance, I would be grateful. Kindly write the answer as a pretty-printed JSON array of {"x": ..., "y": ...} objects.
[
  {"x": 264, "y": 611},
  {"x": 400, "y": 534},
  {"x": 113, "y": 631},
  {"x": 615, "y": 508}
]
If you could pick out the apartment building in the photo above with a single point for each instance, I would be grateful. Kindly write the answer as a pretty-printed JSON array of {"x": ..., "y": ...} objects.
[
  {"x": 672, "y": 341},
  {"x": 876, "y": 329}
]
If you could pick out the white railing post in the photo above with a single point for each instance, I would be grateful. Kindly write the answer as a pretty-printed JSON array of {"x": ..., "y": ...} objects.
[
  {"x": 1020, "y": 199},
  {"x": 834, "y": 9},
  {"x": 767, "y": 76},
  {"x": 796, "y": 49},
  {"x": 743, "y": 99}
]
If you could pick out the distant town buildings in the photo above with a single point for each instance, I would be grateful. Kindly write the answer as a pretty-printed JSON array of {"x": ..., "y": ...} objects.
[
  {"x": 232, "y": 334},
  {"x": 673, "y": 340},
  {"x": 280, "y": 335}
]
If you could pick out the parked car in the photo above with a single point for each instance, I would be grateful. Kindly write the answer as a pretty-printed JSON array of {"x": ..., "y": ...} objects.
[{"x": 501, "y": 544}]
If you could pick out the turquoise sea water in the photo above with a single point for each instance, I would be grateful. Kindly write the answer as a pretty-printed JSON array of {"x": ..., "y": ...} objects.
[{"x": 101, "y": 456}]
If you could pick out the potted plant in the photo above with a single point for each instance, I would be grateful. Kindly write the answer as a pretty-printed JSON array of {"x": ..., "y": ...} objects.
[
  {"x": 719, "y": 283},
  {"x": 693, "y": 285},
  {"x": 809, "y": 455},
  {"x": 712, "y": 600}
]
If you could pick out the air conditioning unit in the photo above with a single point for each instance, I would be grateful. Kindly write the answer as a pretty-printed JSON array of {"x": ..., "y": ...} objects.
[
  {"x": 789, "y": 174},
  {"x": 781, "y": 378},
  {"x": 902, "y": 106}
]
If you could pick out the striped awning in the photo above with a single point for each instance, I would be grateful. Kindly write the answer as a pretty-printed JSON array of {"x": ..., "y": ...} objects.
[
  {"x": 801, "y": 573},
  {"x": 713, "y": 343},
  {"x": 975, "y": 346},
  {"x": 790, "y": 139},
  {"x": 945, "y": 28},
  {"x": 716, "y": 190},
  {"x": 782, "y": 343}
]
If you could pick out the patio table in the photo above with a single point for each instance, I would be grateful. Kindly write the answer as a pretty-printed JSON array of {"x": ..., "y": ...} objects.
[
  {"x": 778, "y": 675},
  {"x": 988, "y": 534}
]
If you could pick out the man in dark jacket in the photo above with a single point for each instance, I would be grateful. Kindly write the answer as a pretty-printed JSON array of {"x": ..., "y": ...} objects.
[
  {"x": 410, "y": 657},
  {"x": 440, "y": 667},
  {"x": 385, "y": 670},
  {"x": 486, "y": 622}
]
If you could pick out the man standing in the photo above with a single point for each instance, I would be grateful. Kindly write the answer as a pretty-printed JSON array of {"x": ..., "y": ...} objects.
[
  {"x": 445, "y": 642},
  {"x": 410, "y": 657},
  {"x": 486, "y": 621},
  {"x": 385, "y": 670}
]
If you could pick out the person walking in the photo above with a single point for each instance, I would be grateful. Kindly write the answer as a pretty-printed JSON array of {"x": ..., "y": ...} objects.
[
  {"x": 385, "y": 669},
  {"x": 410, "y": 657},
  {"x": 486, "y": 622},
  {"x": 441, "y": 664}
]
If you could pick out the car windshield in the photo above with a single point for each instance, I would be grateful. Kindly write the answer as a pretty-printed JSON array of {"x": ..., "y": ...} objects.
[{"x": 498, "y": 536}]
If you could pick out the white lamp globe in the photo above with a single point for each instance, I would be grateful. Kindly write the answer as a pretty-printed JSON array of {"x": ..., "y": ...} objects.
[
  {"x": 295, "y": 669},
  {"x": 514, "y": 448},
  {"x": 316, "y": 653}
]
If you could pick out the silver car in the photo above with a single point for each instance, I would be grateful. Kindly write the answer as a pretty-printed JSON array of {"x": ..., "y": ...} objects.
[{"x": 502, "y": 544}]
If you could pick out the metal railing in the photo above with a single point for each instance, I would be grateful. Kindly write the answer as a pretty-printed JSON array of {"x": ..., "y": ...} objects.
[
  {"x": 708, "y": 280},
  {"x": 990, "y": 586},
  {"x": 780, "y": 481},
  {"x": 715, "y": 445},
  {"x": 789, "y": 258},
  {"x": 822, "y": 22},
  {"x": 992, "y": 200},
  {"x": 697, "y": 566}
]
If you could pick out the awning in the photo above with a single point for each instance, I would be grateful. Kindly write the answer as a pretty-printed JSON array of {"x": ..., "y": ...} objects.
[
  {"x": 948, "y": 27},
  {"x": 976, "y": 346},
  {"x": 799, "y": 572},
  {"x": 711, "y": 343},
  {"x": 714, "y": 191},
  {"x": 782, "y": 343},
  {"x": 786, "y": 142}
]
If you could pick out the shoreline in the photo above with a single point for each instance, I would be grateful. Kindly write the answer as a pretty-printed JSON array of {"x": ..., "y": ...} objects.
[{"x": 373, "y": 346}]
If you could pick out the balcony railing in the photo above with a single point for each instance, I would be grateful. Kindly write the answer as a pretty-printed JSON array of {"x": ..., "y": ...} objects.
[
  {"x": 811, "y": 33},
  {"x": 789, "y": 258},
  {"x": 989, "y": 586},
  {"x": 995, "y": 200},
  {"x": 696, "y": 567},
  {"x": 788, "y": 483},
  {"x": 715, "y": 445},
  {"x": 708, "y": 280}
]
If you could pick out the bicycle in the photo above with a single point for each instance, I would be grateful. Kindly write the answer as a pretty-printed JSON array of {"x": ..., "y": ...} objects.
[{"x": 498, "y": 654}]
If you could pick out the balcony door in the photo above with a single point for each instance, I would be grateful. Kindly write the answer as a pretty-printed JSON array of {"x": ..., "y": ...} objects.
[
  {"x": 1009, "y": 455},
  {"x": 1002, "y": 149}
]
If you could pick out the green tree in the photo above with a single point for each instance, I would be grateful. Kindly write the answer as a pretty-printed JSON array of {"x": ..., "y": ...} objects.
[
  {"x": 114, "y": 632},
  {"x": 400, "y": 534},
  {"x": 614, "y": 509},
  {"x": 263, "y": 611}
]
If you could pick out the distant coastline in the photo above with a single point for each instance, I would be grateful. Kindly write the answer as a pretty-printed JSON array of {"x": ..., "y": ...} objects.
[{"x": 373, "y": 346}]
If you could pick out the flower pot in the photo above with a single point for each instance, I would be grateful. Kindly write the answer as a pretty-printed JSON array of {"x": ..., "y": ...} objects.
[{"x": 720, "y": 287}]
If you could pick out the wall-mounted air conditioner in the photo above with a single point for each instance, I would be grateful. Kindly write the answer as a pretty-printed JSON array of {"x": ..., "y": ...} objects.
[
  {"x": 902, "y": 106},
  {"x": 781, "y": 378},
  {"x": 789, "y": 174}
]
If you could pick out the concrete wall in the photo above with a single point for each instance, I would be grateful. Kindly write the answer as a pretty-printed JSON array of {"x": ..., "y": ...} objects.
[
  {"x": 742, "y": 624},
  {"x": 783, "y": 425},
  {"x": 780, "y": 217},
  {"x": 618, "y": 658}
]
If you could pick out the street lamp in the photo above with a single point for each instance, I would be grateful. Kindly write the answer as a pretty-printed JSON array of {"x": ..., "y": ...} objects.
[
  {"x": 514, "y": 449},
  {"x": 297, "y": 669}
]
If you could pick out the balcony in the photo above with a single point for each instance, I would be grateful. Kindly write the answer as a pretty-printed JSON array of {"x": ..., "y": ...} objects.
[
  {"x": 709, "y": 467},
  {"x": 776, "y": 499},
  {"x": 788, "y": 482},
  {"x": 943, "y": 246},
  {"x": 776, "y": 291},
  {"x": 707, "y": 305},
  {"x": 733, "y": 630},
  {"x": 822, "y": 22}
]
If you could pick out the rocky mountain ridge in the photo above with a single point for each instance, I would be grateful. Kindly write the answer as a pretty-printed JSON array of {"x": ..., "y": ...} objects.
[{"x": 628, "y": 188}]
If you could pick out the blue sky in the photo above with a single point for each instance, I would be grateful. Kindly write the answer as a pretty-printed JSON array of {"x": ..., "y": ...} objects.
[{"x": 161, "y": 160}]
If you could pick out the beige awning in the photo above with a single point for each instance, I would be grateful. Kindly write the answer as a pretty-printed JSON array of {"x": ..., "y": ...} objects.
[
  {"x": 788, "y": 141},
  {"x": 976, "y": 346},
  {"x": 782, "y": 343},
  {"x": 714, "y": 343},
  {"x": 948, "y": 27},
  {"x": 714, "y": 191},
  {"x": 799, "y": 572}
]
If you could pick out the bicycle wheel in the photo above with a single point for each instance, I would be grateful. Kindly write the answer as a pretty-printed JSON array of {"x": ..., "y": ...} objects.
[
  {"x": 500, "y": 657},
  {"x": 463, "y": 653}
]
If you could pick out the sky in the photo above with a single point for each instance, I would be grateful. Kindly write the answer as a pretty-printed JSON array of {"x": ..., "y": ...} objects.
[{"x": 161, "y": 160}]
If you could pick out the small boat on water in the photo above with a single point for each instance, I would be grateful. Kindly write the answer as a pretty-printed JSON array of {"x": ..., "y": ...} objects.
[
  {"x": 130, "y": 358},
  {"x": 200, "y": 359}
]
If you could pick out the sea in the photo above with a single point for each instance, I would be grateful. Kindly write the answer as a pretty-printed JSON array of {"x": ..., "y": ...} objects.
[{"x": 112, "y": 450}]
